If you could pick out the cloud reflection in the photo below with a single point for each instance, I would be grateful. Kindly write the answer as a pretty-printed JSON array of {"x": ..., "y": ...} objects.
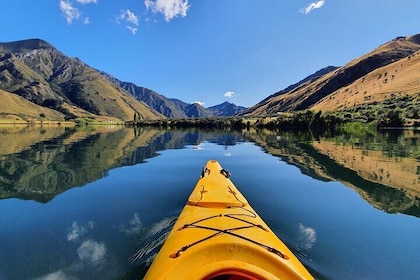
[
  {"x": 57, "y": 275},
  {"x": 89, "y": 249},
  {"x": 227, "y": 154},
  {"x": 91, "y": 257},
  {"x": 77, "y": 231},
  {"x": 198, "y": 147},
  {"x": 92, "y": 251},
  {"x": 306, "y": 237},
  {"x": 134, "y": 225}
]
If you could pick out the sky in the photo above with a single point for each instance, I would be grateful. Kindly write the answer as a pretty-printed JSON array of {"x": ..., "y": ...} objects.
[{"x": 211, "y": 51}]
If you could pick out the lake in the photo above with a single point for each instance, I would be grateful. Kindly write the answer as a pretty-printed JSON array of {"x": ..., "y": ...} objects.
[{"x": 97, "y": 202}]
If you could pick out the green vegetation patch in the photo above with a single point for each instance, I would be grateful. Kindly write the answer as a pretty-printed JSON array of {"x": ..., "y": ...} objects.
[{"x": 394, "y": 112}]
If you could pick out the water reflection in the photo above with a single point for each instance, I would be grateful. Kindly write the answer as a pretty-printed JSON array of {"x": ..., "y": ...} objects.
[
  {"x": 382, "y": 167},
  {"x": 50, "y": 161},
  {"x": 39, "y": 163},
  {"x": 112, "y": 226},
  {"x": 306, "y": 237}
]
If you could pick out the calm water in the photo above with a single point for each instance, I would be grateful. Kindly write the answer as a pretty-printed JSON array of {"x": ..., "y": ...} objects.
[{"x": 97, "y": 203}]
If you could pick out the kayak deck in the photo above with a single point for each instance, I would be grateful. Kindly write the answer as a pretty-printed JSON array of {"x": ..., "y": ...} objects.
[{"x": 219, "y": 236}]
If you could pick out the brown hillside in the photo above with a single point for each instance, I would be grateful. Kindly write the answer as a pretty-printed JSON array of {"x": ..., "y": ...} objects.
[
  {"x": 16, "y": 108},
  {"x": 36, "y": 71},
  {"x": 399, "y": 51},
  {"x": 397, "y": 79}
]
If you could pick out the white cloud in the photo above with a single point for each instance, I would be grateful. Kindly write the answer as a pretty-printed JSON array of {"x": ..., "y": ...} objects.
[
  {"x": 130, "y": 18},
  {"x": 169, "y": 8},
  {"x": 199, "y": 103},
  {"x": 91, "y": 251},
  {"x": 87, "y": 1},
  {"x": 229, "y": 94},
  {"x": 314, "y": 5},
  {"x": 71, "y": 13},
  {"x": 148, "y": 19},
  {"x": 132, "y": 29},
  {"x": 127, "y": 16},
  {"x": 306, "y": 236}
]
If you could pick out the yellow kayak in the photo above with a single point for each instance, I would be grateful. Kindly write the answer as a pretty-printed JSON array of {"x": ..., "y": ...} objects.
[{"x": 219, "y": 236}]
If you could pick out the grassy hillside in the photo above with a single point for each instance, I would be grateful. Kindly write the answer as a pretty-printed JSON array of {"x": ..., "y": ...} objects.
[
  {"x": 386, "y": 73},
  {"x": 36, "y": 71},
  {"x": 14, "y": 108},
  {"x": 389, "y": 95},
  {"x": 109, "y": 100},
  {"x": 389, "y": 82}
]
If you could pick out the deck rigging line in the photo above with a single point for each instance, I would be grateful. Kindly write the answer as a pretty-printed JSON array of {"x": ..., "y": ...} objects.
[{"x": 229, "y": 231}]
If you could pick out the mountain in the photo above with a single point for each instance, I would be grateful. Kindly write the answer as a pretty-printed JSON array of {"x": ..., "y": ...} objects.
[
  {"x": 309, "y": 79},
  {"x": 59, "y": 87},
  {"x": 155, "y": 100},
  {"x": 382, "y": 75},
  {"x": 12, "y": 105},
  {"x": 38, "y": 72},
  {"x": 393, "y": 83},
  {"x": 195, "y": 110},
  {"x": 171, "y": 107},
  {"x": 226, "y": 109}
]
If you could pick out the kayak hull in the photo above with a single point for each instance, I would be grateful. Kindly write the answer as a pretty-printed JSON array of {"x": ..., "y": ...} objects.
[{"x": 218, "y": 235}]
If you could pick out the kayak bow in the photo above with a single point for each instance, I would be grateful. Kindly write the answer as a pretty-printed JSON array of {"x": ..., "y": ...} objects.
[{"x": 219, "y": 236}]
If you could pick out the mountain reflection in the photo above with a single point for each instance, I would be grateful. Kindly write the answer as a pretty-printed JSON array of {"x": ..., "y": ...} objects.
[
  {"x": 382, "y": 167},
  {"x": 38, "y": 163},
  {"x": 46, "y": 162}
]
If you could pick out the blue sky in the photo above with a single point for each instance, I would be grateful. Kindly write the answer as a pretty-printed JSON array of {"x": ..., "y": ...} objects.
[{"x": 211, "y": 51}]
